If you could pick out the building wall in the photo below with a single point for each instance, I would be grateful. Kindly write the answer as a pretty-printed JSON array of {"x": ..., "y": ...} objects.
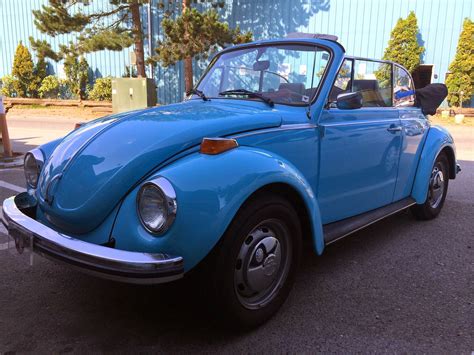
[{"x": 363, "y": 27}]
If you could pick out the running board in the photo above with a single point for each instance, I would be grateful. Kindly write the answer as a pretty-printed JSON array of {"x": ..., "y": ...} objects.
[{"x": 340, "y": 229}]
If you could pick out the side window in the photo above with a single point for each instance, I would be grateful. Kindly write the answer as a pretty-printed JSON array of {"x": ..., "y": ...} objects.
[
  {"x": 343, "y": 80},
  {"x": 403, "y": 88},
  {"x": 374, "y": 81}
]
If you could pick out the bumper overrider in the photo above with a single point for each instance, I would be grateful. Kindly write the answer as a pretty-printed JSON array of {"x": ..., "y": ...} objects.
[{"x": 105, "y": 262}]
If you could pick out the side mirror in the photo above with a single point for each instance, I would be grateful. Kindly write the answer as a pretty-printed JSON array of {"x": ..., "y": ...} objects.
[{"x": 349, "y": 101}]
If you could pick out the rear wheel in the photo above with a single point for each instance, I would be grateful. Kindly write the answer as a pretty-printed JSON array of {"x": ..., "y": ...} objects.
[
  {"x": 437, "y": 190},
  {"x": 256, "y": 261}
]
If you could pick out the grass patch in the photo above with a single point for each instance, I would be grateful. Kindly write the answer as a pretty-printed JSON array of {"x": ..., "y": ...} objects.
[{"x": 447, "y": 121}]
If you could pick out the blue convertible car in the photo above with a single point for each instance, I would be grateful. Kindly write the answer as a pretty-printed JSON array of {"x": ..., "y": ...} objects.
[{"x": 281, "y": 141}]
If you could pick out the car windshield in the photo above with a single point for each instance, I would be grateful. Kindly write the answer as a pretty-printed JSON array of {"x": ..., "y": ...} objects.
[{"x": 284, "y": 74}]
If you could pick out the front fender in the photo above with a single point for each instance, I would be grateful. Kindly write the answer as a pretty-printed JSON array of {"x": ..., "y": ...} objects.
[
  {"x": 438, "y": 139},
  {"x": 209, "y": 191},
  {"x": 49, "y": 147}
]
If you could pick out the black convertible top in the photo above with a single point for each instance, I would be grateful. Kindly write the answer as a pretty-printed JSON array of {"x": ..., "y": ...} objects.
[{"x": 430, "y": 97}]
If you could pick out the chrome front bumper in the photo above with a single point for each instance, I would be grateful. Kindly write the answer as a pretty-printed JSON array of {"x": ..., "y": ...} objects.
[{"x": 105, "y": 262}]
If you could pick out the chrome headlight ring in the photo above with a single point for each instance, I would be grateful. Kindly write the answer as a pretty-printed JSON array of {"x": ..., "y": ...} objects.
[
  {"x": 33, "y": 163},
  {"x": 156, "y": 205}
]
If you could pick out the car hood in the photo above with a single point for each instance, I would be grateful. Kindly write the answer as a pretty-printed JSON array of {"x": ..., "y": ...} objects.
[{"x": 93, "y": 167}]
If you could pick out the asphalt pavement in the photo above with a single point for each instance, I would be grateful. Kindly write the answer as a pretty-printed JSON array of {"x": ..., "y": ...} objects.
[{"x": 399, "y": 286}]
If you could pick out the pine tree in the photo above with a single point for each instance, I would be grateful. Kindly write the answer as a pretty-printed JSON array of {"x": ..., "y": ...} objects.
[
  {"x": 194, "y": 34},
  {"x": 403, "y": 46},
  {"x": 22, "y": 70},
  {"x": 77, "y": 74},
  {"x": 461, "y": 77},
  {"x": 114, "y": 28}
]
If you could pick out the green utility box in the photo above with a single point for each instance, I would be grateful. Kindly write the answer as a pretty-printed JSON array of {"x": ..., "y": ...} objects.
[{"x": 133, "y": 93}]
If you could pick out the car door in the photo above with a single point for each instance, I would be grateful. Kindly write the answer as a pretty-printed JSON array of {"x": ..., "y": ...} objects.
[
  {"x": 414, "y": 129},
  {"x": 360, "y": 148}
]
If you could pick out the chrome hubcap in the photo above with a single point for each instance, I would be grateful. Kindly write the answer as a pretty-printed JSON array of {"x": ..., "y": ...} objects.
[
  {"x": 262, "y": 264},
  {"x": 436, "y": 188}
]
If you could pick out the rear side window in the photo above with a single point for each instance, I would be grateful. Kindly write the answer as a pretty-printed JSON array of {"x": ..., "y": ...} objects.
[
  {"x": 374, "y": 81},
  {"x": 403, "y": 87}
]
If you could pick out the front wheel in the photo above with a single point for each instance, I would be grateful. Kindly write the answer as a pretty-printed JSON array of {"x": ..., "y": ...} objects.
[
  {"x": 437, "y": 190},
  {"x": 256, "y": 261}
]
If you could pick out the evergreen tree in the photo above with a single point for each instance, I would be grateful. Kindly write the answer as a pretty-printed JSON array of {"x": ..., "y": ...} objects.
[
  {"x": 115, "y": 27},
  {"x": 461, "y": 77},
  {"x": 403, "y": 46},
  {"x": 194, "y": 34},
  {"x": 22, "y": 70},
  {"x": 39, "y": 73},
  {"x": 77, "y": 74}
]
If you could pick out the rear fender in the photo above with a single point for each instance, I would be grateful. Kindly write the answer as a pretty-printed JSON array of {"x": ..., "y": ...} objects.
[{"x": 437, "y": 140}]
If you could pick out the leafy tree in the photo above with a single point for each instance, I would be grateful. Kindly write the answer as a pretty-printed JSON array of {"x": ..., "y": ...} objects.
[
  {"x": 41, "y": 68},
  {"x": 39, "y": 73},
  {"x": 7, "y": 87},
  {"x": 64, "y": 89},
  {"x": 403, "y": 46},
  {"x": 49, "y": 87},
  {"x": 194, "y": 34},
  {"x": 461, "y": 77},
  {"x": 102, "y": 90},
  {"x": 22, "y": 71},
  {"x": 114, "y": 28},
  {"x": 77, "y": 74}
]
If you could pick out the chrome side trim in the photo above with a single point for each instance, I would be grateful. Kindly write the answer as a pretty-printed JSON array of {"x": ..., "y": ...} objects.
[
  {"x": 109, "y": 263},
  {"x": 391, "y": 120},
  {"x": 362, "y": 221},
  {"x": 285, "y": 127}
]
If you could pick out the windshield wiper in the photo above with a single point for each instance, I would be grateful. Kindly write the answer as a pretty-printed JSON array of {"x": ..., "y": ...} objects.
[
  {"x": 249, "y": 94},
  {"x": 199, "y": 93}
]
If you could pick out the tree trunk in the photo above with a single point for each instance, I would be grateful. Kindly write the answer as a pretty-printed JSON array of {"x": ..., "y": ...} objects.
[
  {"x": 138, "y": 38},
  {"x": 188, "y": 62},
  {"x": 188, "y": 74}
]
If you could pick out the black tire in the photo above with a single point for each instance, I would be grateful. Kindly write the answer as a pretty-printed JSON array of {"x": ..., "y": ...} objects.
[
  {"x": 267, "y": 217},
  {"x": 433, "y": 204}
]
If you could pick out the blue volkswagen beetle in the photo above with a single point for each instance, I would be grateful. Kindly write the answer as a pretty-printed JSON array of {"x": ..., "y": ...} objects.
[{"x": 281, "y": 141}]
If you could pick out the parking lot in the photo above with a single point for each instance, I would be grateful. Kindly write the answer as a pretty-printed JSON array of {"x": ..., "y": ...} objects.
[{"x": 398, "y": 286}]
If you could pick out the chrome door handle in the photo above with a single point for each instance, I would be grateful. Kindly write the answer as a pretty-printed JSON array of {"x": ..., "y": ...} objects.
[{"x": 395, "y": 128}]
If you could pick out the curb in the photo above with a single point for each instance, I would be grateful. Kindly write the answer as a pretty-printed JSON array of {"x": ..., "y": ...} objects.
[{"x": 15, "y": 162}]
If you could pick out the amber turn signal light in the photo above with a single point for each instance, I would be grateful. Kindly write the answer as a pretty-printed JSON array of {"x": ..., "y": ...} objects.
[{"x": 213, "y": 146}]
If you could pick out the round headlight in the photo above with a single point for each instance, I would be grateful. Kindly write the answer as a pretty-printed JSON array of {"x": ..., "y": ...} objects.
[
  {"x": 32, "y": 170},
  {"x": 156, "y": 204}
]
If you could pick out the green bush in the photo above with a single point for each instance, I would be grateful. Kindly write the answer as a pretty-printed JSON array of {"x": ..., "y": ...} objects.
[
  {"x": 102, "y": 90},
  {"x": 49, "y": 87},
  {"x": 8, "y": 86}
]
